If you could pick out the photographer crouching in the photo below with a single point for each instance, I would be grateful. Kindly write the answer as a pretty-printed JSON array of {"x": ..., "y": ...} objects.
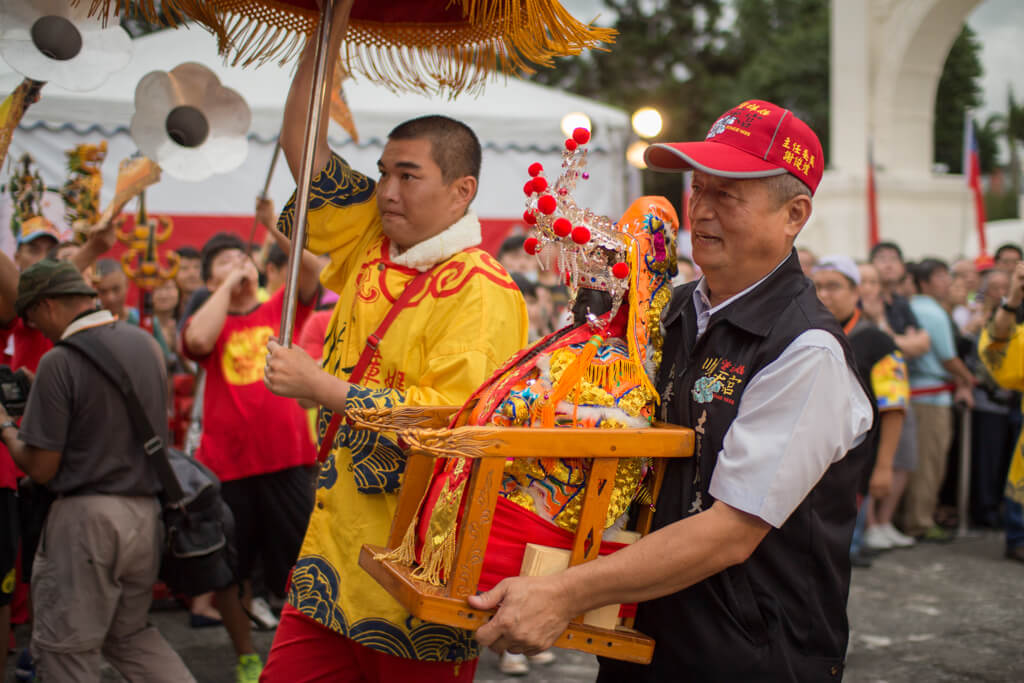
[{"x": 100, "y": 551}]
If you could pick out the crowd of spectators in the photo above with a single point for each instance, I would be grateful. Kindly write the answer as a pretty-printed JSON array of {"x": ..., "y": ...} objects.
[
  {"x": 914, "y": 327},
  {"x": 934, "y": 313}
]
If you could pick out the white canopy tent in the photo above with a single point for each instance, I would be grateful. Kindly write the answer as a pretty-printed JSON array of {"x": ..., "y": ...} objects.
[{"x": 517, "y": 122}]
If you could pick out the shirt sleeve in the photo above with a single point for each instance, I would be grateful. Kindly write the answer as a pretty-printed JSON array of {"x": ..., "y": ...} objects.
[
  {"x": 799, "y": 415},
  {"x": 342, "y": 216},
  {"x": 48, "y": 411},
  {"x": 939, "y": 328},
  {"x": 1004, "y": 359},
  {"x": 890, "y": 383}
]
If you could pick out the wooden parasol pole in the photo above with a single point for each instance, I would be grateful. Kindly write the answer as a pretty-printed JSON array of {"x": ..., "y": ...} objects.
[
  {"x": 317, "y": 103},
  {"x": 266, "y": 189}
]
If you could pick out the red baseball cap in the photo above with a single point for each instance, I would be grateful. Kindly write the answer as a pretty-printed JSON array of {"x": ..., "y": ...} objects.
[{"x": 755, "y": 139}]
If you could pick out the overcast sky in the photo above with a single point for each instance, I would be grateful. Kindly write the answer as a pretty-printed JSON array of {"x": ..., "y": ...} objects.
[{"x": 999, "y": 24}]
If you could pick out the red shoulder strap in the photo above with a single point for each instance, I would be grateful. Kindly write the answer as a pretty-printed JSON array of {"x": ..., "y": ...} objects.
[{"x": 372, "y": 342}]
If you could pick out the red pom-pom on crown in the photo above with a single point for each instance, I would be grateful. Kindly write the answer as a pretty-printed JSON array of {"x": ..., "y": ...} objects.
[{"x": 547, "y": 204}]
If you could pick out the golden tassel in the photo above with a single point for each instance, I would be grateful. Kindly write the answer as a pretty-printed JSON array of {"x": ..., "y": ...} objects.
[
  {"x": 631, "y": 332},
  {"x": 405, "y": 553},
  {"x": 496, "y": 35},
  {"x": 570, "y": 377},
  {"x": 438, "y": 553}
]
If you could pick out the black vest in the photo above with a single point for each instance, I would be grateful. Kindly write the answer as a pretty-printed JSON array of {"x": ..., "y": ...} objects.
[{"x": 781, "y": 615}]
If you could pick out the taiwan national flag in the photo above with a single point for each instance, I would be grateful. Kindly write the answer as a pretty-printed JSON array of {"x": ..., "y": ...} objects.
[{"x": 972, "y": 172}]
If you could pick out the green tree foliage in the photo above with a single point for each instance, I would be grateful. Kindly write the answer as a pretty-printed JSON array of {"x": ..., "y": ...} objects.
[
  {"x": 668, "y": 55},
  {"x": 1008, "y": 129},
  {"x": 959, "y": 90},
  {"x": 781, "y": 52}
]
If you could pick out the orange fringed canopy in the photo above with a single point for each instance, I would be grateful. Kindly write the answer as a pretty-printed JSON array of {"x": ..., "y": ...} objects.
[{"x": 424, "y": 45}]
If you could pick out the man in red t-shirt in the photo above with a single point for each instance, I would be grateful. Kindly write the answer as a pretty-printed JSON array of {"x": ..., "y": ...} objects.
[{"x": 257, "y": 443}]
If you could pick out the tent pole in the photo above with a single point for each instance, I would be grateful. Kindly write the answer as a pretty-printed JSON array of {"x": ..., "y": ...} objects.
[{"x": 318, "y": 98}]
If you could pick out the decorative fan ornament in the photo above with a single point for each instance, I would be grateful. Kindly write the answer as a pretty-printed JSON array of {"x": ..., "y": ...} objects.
[
  {"x": 190, "y": 124},
  {"x": 431, "y": 46},
  {"x": 56, "y": 42}
]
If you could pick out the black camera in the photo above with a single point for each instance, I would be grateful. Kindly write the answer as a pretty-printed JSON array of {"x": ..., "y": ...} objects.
[{"x": 14, "y": 388}]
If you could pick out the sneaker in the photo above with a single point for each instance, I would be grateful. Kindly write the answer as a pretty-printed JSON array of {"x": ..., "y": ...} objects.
[
  {"x": 935, "y": 534},
  {"x": 248, "y": 669},
  {"x": 896, "y": 537},
  {"x": 25, "y": 668},
  {"x": 514, "y": 665},
  {"x": 542, "y": 658},
  {"x": 875, "y": 538},
  {"x": 262, "y": 616}
]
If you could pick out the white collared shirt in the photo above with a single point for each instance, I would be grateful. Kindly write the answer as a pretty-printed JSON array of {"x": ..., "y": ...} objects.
[{"x": 800, "y": 414}]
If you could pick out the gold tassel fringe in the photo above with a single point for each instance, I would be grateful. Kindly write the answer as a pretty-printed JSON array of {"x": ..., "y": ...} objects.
[
  {"x": 568, "y": 381},
  {"x": 498, "y": 35},
  {"x": 405, "y": 553},
  {"x": 438, "y": 554}
]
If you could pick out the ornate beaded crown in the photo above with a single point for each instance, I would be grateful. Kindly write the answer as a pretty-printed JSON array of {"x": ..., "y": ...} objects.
[{"x": 590, "y": 252}]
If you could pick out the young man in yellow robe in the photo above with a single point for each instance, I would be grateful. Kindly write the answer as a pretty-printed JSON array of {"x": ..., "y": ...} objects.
[
  {"x": 469, "y": 317},
  {"x": 1001, "y": 349}
]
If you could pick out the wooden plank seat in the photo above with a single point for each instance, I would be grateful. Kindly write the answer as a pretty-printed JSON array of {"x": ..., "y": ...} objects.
[{"x": 489, "y": 448}]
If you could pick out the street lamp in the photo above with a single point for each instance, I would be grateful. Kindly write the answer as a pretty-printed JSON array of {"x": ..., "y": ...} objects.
[
  {"x": 647, "y": 122},
  {"x": 574, "y": 120},
  {"x": 635, "y": 154}
]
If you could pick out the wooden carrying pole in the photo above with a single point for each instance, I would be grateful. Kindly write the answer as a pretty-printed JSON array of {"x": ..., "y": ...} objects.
[
  {"x": 266, "y": 189},
  {"x": 317, "y": 103}
]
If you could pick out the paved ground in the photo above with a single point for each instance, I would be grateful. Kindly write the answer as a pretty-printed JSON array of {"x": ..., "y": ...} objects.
[{"x": 932, "y": 613}]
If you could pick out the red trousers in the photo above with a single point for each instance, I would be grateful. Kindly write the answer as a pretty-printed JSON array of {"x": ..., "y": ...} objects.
[{"x": 306, "y": 652}]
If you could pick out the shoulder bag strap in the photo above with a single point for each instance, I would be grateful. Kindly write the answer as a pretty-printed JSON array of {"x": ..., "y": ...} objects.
[
  {"x": 109, "y": 366},
  {"x": 372, "y": 342}
]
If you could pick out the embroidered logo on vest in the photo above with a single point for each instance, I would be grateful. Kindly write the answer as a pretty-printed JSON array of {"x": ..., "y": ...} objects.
[
  {"x": 704, "y": 389},
  {"x": 720, "y": 381}
]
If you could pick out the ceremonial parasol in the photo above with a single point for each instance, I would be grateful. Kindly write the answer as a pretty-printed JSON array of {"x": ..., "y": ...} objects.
[{"x": 435, "y": 46}]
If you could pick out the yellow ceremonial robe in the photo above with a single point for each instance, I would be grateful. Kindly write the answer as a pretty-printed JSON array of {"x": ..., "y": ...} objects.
[
  {"x": 467, "y": 321},
  {"x": 1005, "y": 361}
]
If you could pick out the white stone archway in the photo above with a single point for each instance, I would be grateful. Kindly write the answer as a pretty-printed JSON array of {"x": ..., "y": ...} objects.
[{"x": 886, "y": 60}]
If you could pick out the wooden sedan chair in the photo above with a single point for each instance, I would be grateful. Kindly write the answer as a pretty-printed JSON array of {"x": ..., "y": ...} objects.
[{"x": 424, "y": 434}]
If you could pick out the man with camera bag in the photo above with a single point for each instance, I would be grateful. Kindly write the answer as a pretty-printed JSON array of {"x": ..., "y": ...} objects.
[{"x": 100, "y": 551}]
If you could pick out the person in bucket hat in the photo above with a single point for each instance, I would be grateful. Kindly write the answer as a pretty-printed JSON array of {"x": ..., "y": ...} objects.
[
  {"x": 746, "y": 572},
  {"x": 49, "y": 280},
  {"x": 92, "y": 587}
]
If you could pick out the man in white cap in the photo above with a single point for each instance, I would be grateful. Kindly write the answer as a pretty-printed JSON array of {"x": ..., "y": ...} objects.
[
  {"x": 746, "y": 573},
  {"x": 884, "y": 370}
]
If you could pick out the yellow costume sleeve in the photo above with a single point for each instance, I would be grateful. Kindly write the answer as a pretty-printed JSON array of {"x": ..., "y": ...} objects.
[
  {"x": 342, "y": 216},
  {"x": 889, "y": 382},
  {"x": 1004, "y": 359}
]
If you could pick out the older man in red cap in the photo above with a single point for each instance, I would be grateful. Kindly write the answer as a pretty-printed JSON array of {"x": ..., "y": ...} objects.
[{"x": 746, "y": 573}]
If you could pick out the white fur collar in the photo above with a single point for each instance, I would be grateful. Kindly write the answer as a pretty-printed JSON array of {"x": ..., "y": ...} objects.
[{"x": 461, "y": 234}]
